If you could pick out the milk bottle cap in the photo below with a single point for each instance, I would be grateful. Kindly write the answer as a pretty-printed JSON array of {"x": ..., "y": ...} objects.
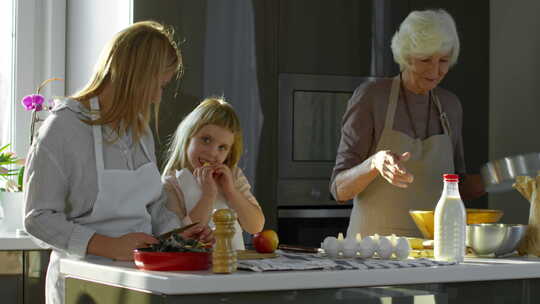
[{"x": 451, "y": 177}]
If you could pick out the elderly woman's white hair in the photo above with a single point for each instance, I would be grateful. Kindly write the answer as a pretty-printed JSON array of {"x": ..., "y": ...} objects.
[{"x": 424, "y": 33}]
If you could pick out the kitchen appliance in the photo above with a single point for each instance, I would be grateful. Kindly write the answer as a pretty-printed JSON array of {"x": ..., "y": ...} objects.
[
  {"x": 499, "y": 175},
  {"x": 309, "y": 225},
  {"x": 311, "y": 109}
]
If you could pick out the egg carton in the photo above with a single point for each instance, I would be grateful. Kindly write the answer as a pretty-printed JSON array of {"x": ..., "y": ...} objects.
[{"x": 385, "y": 248}]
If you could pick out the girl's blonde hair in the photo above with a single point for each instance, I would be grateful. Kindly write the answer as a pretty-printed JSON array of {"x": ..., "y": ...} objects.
[
  {"x": 133, "y": 63},
  {"x": 211, "y": 111}
]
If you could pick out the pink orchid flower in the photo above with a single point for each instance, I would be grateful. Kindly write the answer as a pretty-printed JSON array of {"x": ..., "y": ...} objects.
[{"x": 33, "y": 102}]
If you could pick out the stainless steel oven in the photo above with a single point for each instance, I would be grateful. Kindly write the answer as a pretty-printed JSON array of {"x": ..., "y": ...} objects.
[
  {"x": 308, "y": 226},
  {"x": 311, "y": 108}
]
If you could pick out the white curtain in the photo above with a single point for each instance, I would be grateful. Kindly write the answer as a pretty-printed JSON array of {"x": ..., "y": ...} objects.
[{"x": 230, "y": 70}]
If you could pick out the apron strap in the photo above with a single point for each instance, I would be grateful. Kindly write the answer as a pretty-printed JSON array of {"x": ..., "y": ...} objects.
[
  {"x": 442, "y": 116},
  {"x": 98, "y": 139},
  {"x": 391, "y": 110},
  {"x": 145, "y": 150}
]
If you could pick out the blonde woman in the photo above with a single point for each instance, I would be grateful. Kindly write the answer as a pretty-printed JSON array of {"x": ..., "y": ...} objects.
[
  {"x": 92, "y": 185},
  {"x": 400, "y": 135},
  {"x": 201, "y": 172}
]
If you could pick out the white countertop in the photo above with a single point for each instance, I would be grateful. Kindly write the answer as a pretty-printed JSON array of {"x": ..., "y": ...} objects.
[
  {"x": 15, "y": 241},
  {"x": 125, "y": 274}
]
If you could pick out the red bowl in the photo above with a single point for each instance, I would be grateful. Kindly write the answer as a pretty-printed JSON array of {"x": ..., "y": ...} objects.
[{"x": 171, "y": 261}]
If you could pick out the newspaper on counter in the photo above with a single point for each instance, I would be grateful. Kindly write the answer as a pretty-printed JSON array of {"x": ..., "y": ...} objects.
[{"x": 316, "y": 261}]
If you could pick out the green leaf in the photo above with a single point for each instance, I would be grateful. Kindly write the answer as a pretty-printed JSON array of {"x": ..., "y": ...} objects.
[
  {"x": 20, "y": 178},
  {"x": 4, "y": 147}
]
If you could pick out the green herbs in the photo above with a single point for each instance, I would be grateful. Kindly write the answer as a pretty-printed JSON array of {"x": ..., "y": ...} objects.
[
  {"x": 11, "y": 170},
  {"x": 176, "y": 243}
]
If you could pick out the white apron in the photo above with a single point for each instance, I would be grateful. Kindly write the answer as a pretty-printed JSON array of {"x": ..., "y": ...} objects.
[
  {"x": 192, "y": 194},
  {"x": 120, "y": 206},
  {"x": 383, "y": 208}
]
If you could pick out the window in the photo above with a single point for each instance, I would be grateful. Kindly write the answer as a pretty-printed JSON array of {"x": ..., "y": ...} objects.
[
  {"x": 6, "y": 69},
  {"x": 33, "y": 33},
  {"x": 39, "y": 53}
]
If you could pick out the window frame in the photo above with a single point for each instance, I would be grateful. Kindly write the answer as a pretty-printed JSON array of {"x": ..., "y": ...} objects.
[{"x": 39, "y": 53}]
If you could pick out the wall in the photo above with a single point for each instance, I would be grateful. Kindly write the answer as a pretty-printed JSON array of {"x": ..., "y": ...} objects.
[
  {"x": 89, "y": 25},
  {"x": 514, "y": 94}
]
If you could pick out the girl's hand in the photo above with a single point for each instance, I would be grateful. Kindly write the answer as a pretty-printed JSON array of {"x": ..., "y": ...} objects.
[
  {"x": 123, "y": 246},
  {"x": 390, "y": 167},
  {"x": 200, "y": 233},
  {"x": 205, "y": 178},
  {"x": 224, "y": 178}
]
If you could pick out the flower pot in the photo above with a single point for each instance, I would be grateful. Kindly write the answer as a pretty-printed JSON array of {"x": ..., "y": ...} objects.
[{"x": 12, "y": 204}]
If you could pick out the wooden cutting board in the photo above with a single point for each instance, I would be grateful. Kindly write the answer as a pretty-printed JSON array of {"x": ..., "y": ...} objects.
[{"x": 254, "y": 255}]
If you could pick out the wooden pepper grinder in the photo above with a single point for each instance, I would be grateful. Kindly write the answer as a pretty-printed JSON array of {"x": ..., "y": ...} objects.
[{"x": 224, "y": 256}]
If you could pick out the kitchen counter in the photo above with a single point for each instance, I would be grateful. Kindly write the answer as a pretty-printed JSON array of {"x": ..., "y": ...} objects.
[
  {"x": 126, "y": 275},
  {"x": 15, "y": 241}
]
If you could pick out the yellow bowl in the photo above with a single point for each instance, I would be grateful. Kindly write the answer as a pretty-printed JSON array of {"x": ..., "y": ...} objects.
[{"x": 425, "y": 222}]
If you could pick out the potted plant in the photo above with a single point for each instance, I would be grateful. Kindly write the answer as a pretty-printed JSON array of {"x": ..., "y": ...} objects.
[
  {"x": 11, "y": 195},
  {"x": 12, "y": 168}
]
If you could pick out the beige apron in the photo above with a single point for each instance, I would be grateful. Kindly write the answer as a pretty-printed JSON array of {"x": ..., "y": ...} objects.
[
  {"x": 192, "y": 194},
  {"x": 384, "y": 208}
]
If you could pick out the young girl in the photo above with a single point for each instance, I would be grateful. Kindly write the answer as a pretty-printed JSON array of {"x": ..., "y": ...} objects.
[{"x": 201, "y": 173}]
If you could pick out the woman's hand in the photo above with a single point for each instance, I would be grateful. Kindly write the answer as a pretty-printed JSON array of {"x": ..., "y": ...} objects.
[
  {"x": 119, "y": 248},
  {"x": 390, "y": 167},
  {"x": 127, "y": 242},
  {"x": 205, "y": 178},
  {"x": 224, "y": 178},
  {"x": 199, "y": 232}
]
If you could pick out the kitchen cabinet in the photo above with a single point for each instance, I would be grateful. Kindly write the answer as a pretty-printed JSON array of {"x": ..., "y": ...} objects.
[
  {"x": 22, "y": 276},
  {"x": 23, "y": 265},
  {"x": 478, "y": 281},
  {"x": 325, "y": 37}
]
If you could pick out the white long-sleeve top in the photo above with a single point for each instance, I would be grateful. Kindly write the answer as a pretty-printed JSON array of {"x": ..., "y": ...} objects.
[{"x": 61, "y": 178}]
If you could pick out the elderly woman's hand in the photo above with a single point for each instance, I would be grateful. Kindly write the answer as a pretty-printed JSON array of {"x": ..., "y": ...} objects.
[{"x": 390, "y": 167}]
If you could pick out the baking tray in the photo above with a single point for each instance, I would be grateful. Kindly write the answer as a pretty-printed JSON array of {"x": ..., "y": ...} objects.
[{"x": 499, "y": 175}]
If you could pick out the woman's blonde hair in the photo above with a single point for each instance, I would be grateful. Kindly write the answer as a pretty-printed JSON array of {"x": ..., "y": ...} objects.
[
  {"x": 133, "y": 62},
  {"x": 424, "y": 33},
  {"x": 211, "y": 111}
]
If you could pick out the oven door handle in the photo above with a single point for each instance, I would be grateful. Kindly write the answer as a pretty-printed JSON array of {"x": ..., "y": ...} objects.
[{"x": 314, "y": 213}]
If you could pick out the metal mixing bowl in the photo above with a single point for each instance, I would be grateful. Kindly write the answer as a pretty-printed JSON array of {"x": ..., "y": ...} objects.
[
  {"x": 497, "y": 239},
  {"x": 499, "y": 175}
]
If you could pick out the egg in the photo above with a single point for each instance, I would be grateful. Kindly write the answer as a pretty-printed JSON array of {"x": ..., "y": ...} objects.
[
  {"x": 350, "y": 247},
  {"x": 384, "y": 248},
  {"x": 333, "y": 246},
  {"x": 393, "y": 240},
  {"x": 330, "y": 246},
  {"x": 402, "y": 248},
  {"x": 366, "y": 247}
]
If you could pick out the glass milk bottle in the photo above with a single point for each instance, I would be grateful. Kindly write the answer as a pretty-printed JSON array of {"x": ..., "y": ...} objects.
[{"x": 450, "y": 222}]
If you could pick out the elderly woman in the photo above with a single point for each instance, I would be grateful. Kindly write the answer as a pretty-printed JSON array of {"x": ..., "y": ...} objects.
[{"x": 400, "y": 135}]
